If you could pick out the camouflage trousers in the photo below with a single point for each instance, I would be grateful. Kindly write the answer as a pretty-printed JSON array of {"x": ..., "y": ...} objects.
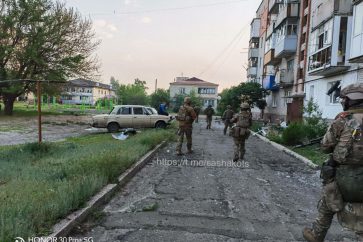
[
  {"x": 227, "y": 123},
  {"x": 239, "y": 148},
  {"x": 324, "y": 219},
  {"x": 187, "y": 132},
  {"x": 209, "y": 122}
]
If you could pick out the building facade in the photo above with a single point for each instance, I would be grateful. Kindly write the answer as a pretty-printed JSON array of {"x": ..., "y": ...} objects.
[
  {"x": 309, "y": 46},
  {"x": 206, "y": 90},
  {"x": 81, "y": 91}
]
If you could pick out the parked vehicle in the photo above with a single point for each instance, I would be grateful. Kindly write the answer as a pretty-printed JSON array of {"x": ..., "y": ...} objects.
[{"x": 131, "y": 116}]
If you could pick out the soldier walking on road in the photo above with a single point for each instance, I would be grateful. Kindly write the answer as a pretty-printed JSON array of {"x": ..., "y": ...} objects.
[
  {"x": 227, "y": 117},
  {"x": 209, "y": 112},
  {"x": 240, "y": 132},
  {"x": 186, "y": 117},
  {"x": 343, "y": 174}
]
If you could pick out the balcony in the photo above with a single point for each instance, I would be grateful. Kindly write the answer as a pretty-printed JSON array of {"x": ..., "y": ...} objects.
[
  {"x": 270, "y": 58},
  {"x": 269, "y": 83},
  {"x": 286, "y": 78},
  {"x": 286, "y": 46},
  {"x": 290, "y": 10},
  {"x": 273, "y": 6},
  {"x": 270, "y": 29},
  {"x": 251, "y": 71},
  {"x": 325, "y": 63},
  {"x": 253, "y": 53},
  {"x": 255, "y": 28}
]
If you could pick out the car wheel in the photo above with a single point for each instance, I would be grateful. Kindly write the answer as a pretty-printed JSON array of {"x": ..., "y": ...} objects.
[
  {"x": 113, "y": 127},
  {"x": 160, "y": 125}
]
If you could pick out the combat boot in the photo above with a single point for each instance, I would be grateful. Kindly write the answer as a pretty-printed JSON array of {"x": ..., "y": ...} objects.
[
  {"x": 179, "y": 153},
  {"x": 310, "y": 236}
]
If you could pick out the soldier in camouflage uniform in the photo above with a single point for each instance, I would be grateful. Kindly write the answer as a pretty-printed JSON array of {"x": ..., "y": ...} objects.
[
  {"x": 186, "y": 117},
  {"x": 240, "y": 132},
  {"x": 209, "y": 112},
  {"x": 343, "y": 174},
  {"x": 227, "y": 117}
]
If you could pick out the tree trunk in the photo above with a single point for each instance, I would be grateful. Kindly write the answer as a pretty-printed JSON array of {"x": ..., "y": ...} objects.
[
  {"x": 262, "y": 113},
  {"x": 9, "y": 100}
]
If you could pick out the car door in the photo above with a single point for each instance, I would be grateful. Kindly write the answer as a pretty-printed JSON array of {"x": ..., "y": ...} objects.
[
  {"x": 124, "y": 117},
  {"x": 141, "y": 119}
]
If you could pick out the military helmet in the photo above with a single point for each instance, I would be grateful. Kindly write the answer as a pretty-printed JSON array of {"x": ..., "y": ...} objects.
[
  {"x": 353, "y": 91},
  {"x": 187, "y": 100},
  {"x": 229, "y": 106},
  {"x": 245, "y": 106}
]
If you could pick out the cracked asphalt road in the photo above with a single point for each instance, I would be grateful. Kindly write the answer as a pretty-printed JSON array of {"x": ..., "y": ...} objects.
[{"x": 270, "y": 197}]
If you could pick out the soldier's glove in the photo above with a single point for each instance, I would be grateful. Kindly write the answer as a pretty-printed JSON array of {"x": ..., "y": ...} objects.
[{"x": 328, "y": 170}]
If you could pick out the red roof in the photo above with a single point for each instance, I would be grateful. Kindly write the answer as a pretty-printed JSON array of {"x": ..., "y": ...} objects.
[{"x": 193, "y": 82}]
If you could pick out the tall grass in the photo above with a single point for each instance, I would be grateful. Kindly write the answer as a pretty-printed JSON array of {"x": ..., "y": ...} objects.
[{"x": 40, "y": 185}]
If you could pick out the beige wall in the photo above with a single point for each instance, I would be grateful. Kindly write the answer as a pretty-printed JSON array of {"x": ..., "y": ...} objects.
[{"x": 175, "y": 90}]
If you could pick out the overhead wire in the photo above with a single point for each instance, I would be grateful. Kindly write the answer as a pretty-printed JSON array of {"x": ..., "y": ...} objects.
[
  {"x": 221, "y": 54},
  {"x": 169, "y": 9}
]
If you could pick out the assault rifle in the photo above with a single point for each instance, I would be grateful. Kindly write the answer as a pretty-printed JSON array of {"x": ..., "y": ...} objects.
[{"x": 311, "y": 142}]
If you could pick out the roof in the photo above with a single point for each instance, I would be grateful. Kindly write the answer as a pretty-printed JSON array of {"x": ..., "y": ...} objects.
[
  {"x": 193, "y": 82},
  {"x": 88, "y": 83}
]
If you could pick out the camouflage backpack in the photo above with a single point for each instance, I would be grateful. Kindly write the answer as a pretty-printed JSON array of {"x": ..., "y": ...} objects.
[
  {"x": 243, "y": 120},
  {"x": 182, "y": 114}
]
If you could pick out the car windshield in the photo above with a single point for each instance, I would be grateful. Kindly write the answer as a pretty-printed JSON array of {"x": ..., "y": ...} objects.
[
  {"x": 151, "y": 111},
  {"x": 112, "y": 110}
]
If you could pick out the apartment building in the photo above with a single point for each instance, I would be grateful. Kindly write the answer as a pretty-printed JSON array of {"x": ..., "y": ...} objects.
[
  {"x": 256, "y": 51},
  {"x": 81, "y": 91},
  {"x": 206, "y": 90},
  {"x": 309, "y": 46},
  {"x": 281, "y": 57},
  {"x": 332, "y": 54}
]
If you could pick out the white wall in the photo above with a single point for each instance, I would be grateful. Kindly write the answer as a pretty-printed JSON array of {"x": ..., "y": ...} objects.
[
  {"x": 175, "y": 90},
  {"x": 320, "y": 89}
]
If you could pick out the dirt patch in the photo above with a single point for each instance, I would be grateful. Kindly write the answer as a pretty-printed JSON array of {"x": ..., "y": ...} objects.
[{"x": 19, "y": 130}]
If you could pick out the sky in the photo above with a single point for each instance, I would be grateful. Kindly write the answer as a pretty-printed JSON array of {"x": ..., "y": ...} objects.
[{"x": 163, "y": 39}]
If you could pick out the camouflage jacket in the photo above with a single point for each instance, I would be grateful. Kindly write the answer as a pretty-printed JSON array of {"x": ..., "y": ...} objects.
[
  {"x": 191, "y": 116},
  {"x": 228, "y": 114},
  {"x": 344, "y": 138}
]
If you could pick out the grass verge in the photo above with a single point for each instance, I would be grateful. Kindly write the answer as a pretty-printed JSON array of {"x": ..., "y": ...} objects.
[
  {"x": 40, "y": 185},
  {"x": 313, "y": 153}
]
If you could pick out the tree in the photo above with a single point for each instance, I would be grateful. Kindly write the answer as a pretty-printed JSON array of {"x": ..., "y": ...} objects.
[
  {"x": 160, "y": 96},
  {"x": 133, "y": 94},
  {"x": 231, "y": 96},
  {"x": 114, "y": 83},
  {"x": 42, "y": 40},
  {"x": 178, "y": 100}
]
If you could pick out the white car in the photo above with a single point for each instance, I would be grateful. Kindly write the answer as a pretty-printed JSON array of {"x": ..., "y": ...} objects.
[{"x": 131, "y": 116}]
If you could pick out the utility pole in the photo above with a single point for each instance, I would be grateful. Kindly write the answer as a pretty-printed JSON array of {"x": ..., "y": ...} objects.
[
  {"x": 39, "y": 97},
  {"x": 156, "y": 84}
]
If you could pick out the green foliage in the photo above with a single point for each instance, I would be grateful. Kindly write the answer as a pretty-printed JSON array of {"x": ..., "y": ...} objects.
[
  {"x": 37, "y": 189},
  {"x": 256, "y": 126},
  {"x": 160, "y": 96},
  {"x": 133, "y": 94},
  {"x": 293, "y": 134},
  {"x": 42, "y": 40},
  {"x": 315, "y": 125},
  {"x": 106, "y": 102},
  {"x": 232, "y": 95},
  {"x": 313, "y": 153},
  {"x": 178, "y": 100}
]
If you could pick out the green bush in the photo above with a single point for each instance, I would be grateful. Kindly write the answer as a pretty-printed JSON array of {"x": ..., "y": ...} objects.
[
  {"x": 275, "y": 138},
  {"x": 293, "y": 134},
  {"x": 256, "y": 126}
]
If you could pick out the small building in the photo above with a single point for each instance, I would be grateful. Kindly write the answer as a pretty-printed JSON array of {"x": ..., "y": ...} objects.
[
  {"x": 81, "y": 91},
  {"x": 206, "y": 90}
]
